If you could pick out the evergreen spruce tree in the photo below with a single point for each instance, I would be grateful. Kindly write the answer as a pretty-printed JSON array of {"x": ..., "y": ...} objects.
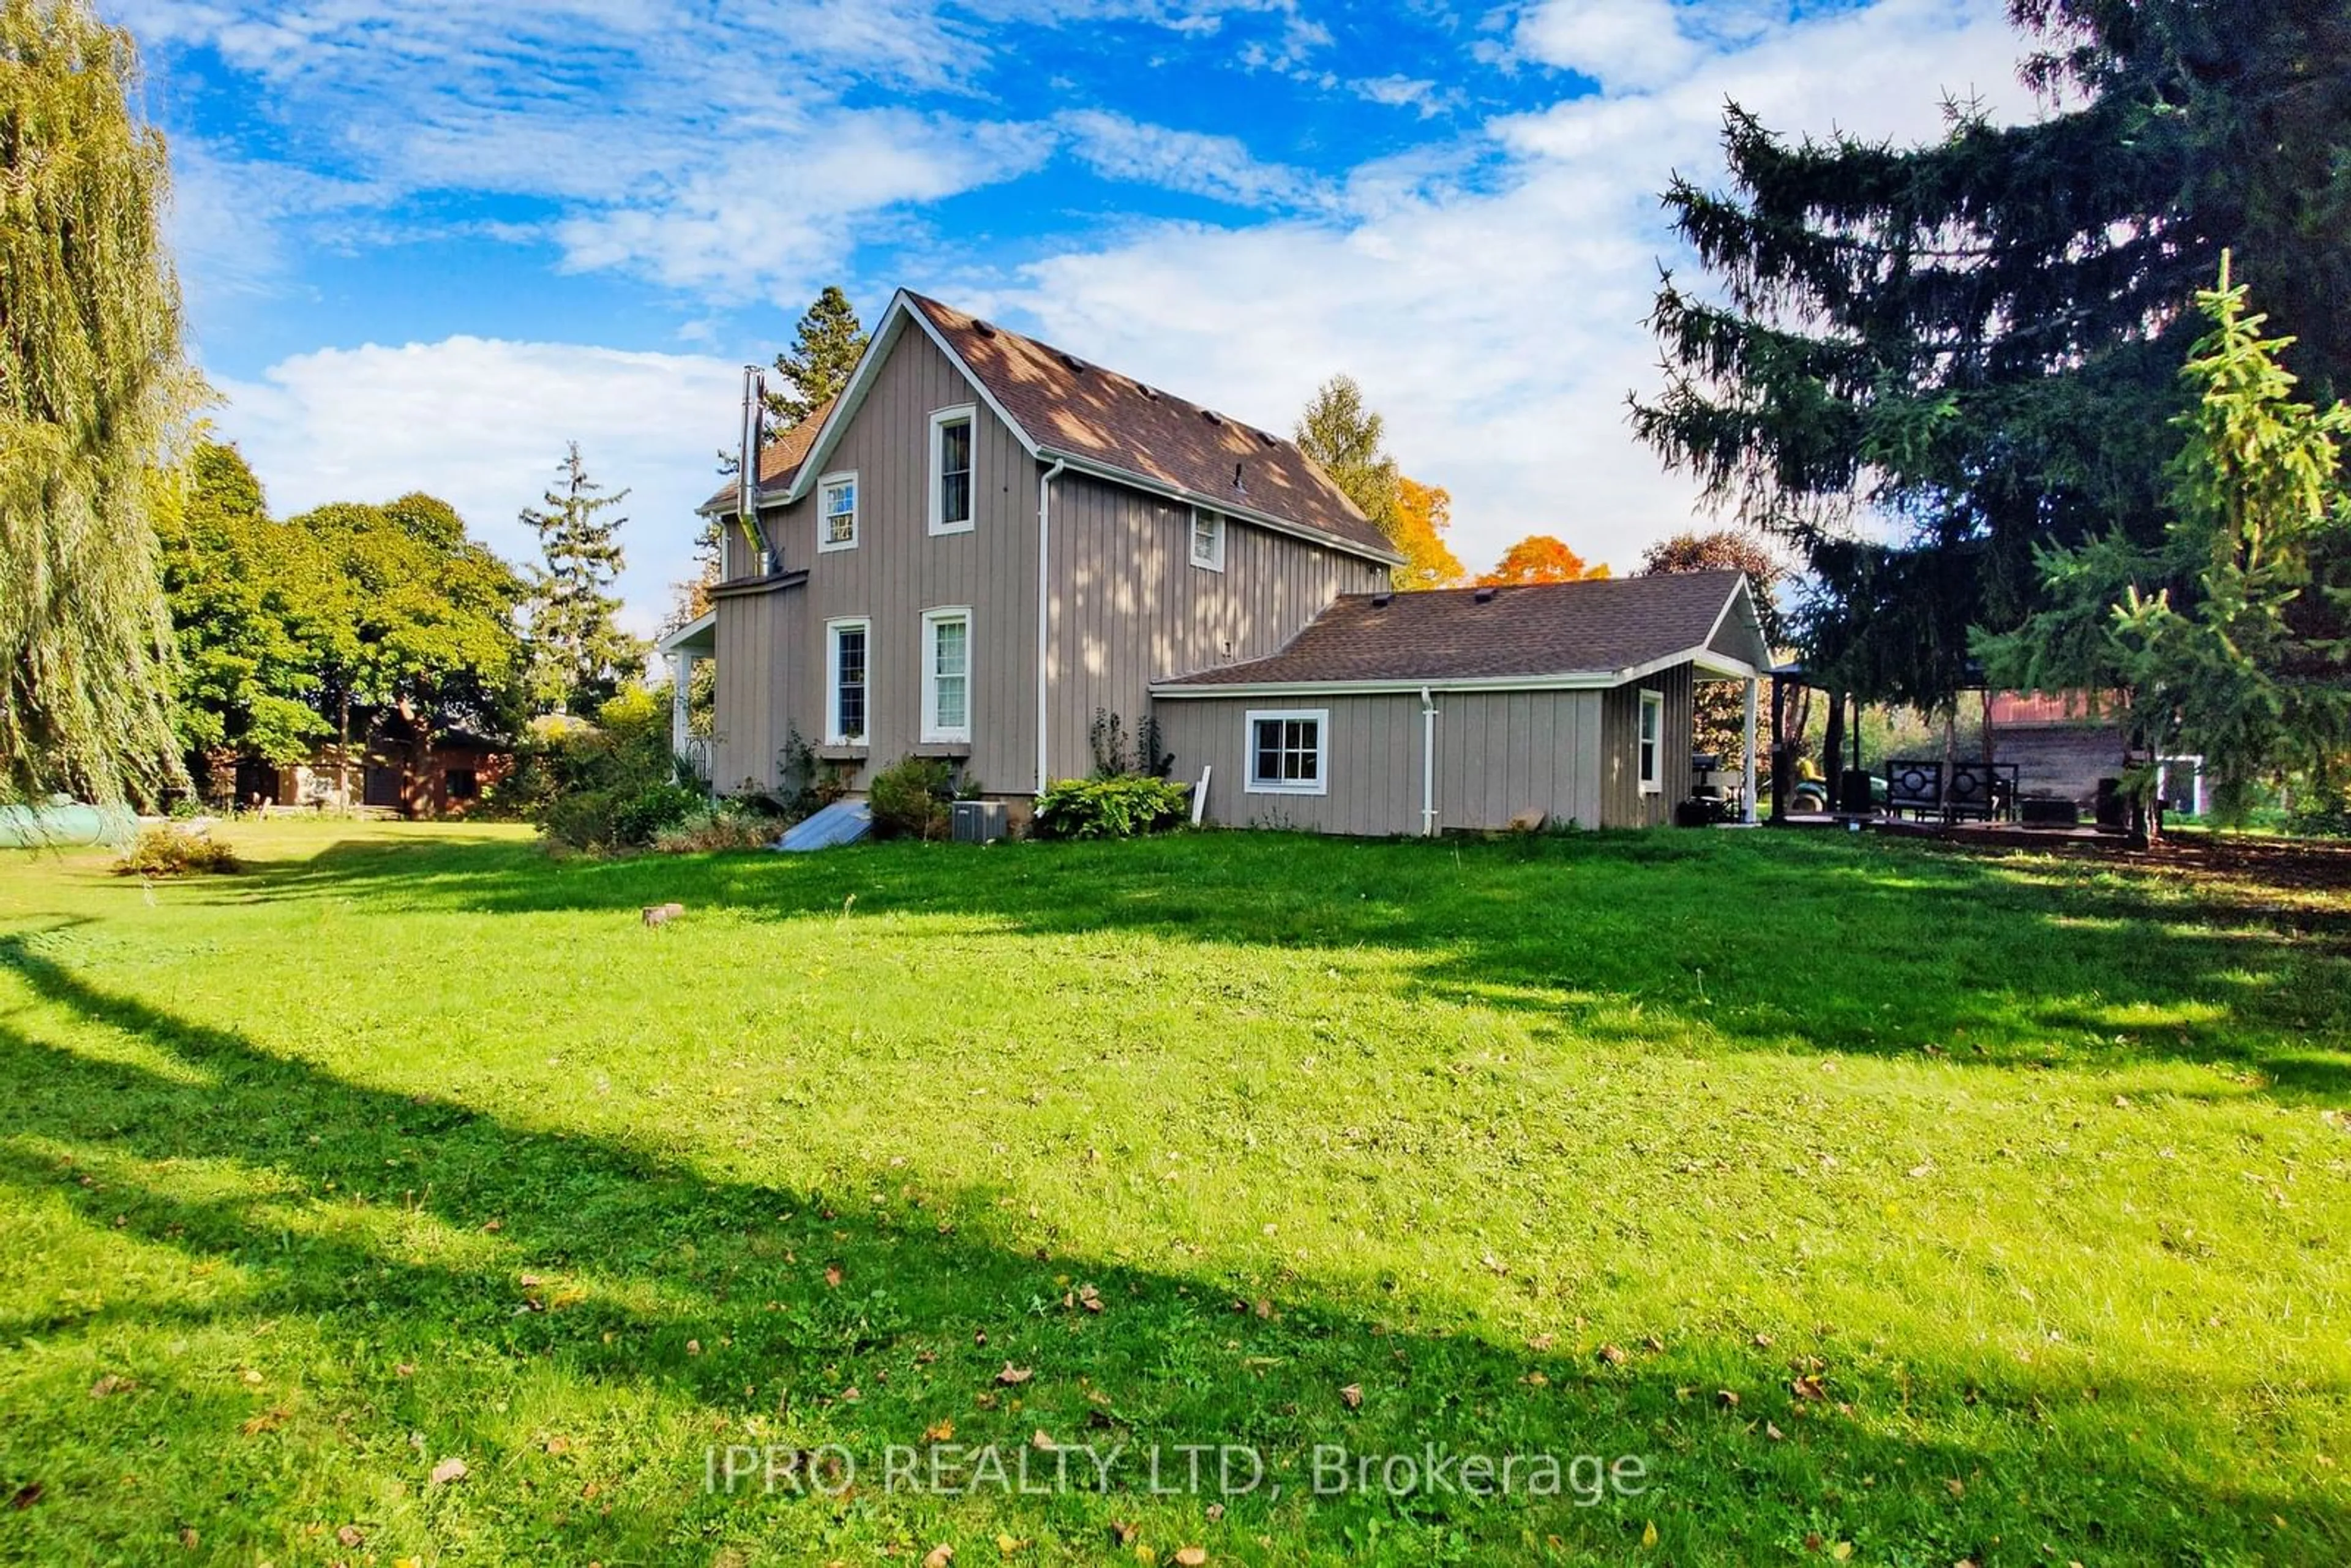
[
  {"x": 578, "y": 654},
  {"x": 1346, "y": 439},
  {"x": 1979, "y": 338},
  {"x": 94, "y": 400},
  {"x": 2229, "y": 636},
  {"x": 825, "y": 348}
]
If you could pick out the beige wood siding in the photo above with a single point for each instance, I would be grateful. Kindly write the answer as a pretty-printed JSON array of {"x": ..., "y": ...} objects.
[
  {"x": 899, "y": 569},
  {"x": 1130, "y": 608},
  {"x": 757, "y": 653},
  {"x": 1569, "y": 755},
  {"x": 1372, "y": 749},
  {"x": 1622, "y": 804}
]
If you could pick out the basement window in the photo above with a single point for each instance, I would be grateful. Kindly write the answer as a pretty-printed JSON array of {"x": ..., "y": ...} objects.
[{"x": 1287, "y": 751}]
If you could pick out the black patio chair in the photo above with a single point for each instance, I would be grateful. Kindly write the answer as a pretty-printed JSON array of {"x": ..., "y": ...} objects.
[{"x": 1915, "y": 787}]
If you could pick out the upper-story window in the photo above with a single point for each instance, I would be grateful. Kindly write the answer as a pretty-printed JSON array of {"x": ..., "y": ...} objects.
[
  {"x": 1652, "y": 742},
  {"x": 836, "y": 512},
  {"x": 951, "y": 484},
  {"x": 1207, "y": 539}
]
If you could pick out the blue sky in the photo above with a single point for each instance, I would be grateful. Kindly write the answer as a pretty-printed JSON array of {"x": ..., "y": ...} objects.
[{"x": 425, "y": 243}]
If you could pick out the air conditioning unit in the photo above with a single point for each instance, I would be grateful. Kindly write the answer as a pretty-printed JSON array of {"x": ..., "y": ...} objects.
[{"x": 978, "y": 821}]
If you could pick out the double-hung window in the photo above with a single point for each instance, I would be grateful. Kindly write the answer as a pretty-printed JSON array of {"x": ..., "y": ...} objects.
[
  {"x": 1288, "y": 751},
  {"x": 846, "y": 675},
  {"x": 836, "y": 512},
  {"x": 946, "y": 675},
  {"x": 1651, "y": 742},
  {"x": 1207, "y": 539},
  {"x": 951, "y": 470}
]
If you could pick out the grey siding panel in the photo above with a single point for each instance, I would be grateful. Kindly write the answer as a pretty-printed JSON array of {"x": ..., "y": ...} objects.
[
  {"x": 898, "y": 571},
  {"x": 1130, "y": 608},
  {"x": 1621, "y": 803},
  {"x": 756, "y": 650},
  {"x": 1500, "y": 755}
]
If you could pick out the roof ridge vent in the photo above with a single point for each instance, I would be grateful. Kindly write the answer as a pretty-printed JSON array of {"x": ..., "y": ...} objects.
[
  {"x": 1074, "y": 362},
  {"x": 982, "y": 328},
  {"x": 1148, "y": 390},
  {"x": 1382, "y": 600},
  {"x": 1268, "y": 438},
  {"x": 1210, "y": 415},
  {"x": 1484, "y": 595}
]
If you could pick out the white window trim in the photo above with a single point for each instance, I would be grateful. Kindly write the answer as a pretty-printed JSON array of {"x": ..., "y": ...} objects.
[
  {"x": 1252, "y": 785},
  {"x": 1224, "y": 527},
  {"x": 833, "y": 630},
  {"x": 936, "y": 466},
  {"x": 932, "y": 732},
  {"x": 1652, "y": 701},
  {"x": 856, "y": 513}
]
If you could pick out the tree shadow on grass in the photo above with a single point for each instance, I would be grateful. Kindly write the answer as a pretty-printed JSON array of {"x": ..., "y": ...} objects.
[
  {"x": 1769, "y": 941},
  {"x": 492, "y": 1288}
]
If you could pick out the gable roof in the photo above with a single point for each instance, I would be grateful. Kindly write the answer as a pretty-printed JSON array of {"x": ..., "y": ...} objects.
[
  {"x": 1073, "y": 408},
  {"x": 780, "y": 460},
  {"x": 1598, "y": 633},
  {"x": 1062, "y": 408}
]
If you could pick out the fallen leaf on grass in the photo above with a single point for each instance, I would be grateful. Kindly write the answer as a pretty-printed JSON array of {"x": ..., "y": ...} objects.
[
  {"x": 26, "y": 1495},
  {"x": 1541, "y": 1342},
  {"x": 1808, "y": 1387},
  {"x": 1042, "y": 1443},
  {"x": 1351, "y": 1396},
  {"x": 448, "y": 1470},
  {"x": 938, "y": 1556},
  {"x": 939, "y": 1432},
  {"x": 1958, "y": 1487},
  {"x": 1614, "y": 1354},
  {"x": 1007, "y": 1545},
  {"x": 266, "y": 1421},
  {"x": 559, "y": 1444},
  {"x": 1122, "y": 1533},
  {"x": 832, "y": 1276},
  {"x": 1013, "y": 1375},
  {"x": 189, "y": 1537},
  {"x": 1773, "y": 1432},
  {"x": 1726, "y": 1398},
  {"x": 1649, "y": 1535},
  {"x": 110, "y": 1384},
  {"x": 1190, "y": 1557},
  {"x": 350, "y": 1535}
]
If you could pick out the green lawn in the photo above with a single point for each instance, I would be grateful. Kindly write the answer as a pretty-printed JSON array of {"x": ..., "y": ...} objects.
[{"x": 2008, "y": 1197}]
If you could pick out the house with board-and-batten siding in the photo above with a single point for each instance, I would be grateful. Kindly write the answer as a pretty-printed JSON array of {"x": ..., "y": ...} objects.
[{"x": 986, "y": 542}]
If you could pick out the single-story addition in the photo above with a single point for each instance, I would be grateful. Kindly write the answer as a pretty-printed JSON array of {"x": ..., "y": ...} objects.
[{"x": 1471, "y": 708}]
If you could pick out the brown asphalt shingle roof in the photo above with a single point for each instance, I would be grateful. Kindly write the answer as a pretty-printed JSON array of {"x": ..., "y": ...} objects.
[
  {"x": 1070, "y": 406},
  {"x": 1449, "y": 634},
  {"x": 779, "y": 459}
]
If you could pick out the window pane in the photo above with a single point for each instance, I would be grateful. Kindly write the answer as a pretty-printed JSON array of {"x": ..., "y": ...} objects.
[
  {"x": 950, "y": 673},
  {"x": 954, "y": 472},
  {"x": 840, "y": 512},
  {"x": 849, "y": 693},
  {"x": 1205, "y": 529}
]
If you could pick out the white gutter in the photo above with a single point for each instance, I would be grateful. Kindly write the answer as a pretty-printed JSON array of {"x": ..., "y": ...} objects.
[
  {"x": 1428, "y": 763},
  {"x": 1044, "y": 600}
]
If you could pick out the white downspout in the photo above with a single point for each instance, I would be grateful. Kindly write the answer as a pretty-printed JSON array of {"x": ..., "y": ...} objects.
[
  {"x": 1044, "y": 602},
  {"x": 1428, "y": 763}
]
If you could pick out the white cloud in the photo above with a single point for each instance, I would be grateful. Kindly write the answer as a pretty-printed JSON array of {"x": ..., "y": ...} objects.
[
  {"x": 1624, "y": 44},
  {"x": 481, "y": 424},
  {"x": 1399, "y": 91},
  {"x": 1219, "y": 167},
  {"x": 1497, "y": 322}
]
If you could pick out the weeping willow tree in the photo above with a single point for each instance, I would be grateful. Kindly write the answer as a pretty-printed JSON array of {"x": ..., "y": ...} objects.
[{"x": 94, "y": 400}]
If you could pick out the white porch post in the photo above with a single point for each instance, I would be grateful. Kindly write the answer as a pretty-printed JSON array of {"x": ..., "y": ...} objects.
[
  {"x": 681, "y": 702},
  {"x": 1747, "y": 813}
]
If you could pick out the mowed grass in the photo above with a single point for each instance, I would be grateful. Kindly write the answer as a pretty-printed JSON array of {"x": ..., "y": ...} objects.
[{"x": 2006, "y": 1197}]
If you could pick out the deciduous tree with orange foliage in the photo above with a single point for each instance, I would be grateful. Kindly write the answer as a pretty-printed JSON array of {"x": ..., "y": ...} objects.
[
  {"x": 1423, "y": 513},
  {"x": 1540, "y": 557}
]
